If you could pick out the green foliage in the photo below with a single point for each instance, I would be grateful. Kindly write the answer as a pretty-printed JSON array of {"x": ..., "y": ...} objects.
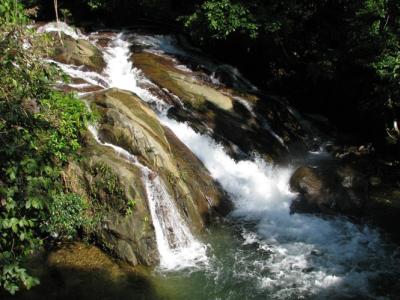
[
  {"x": 11, "y": 11},
  {"x": 67, "y": 213},
  {"x": 388, "y": 66},
  {"x": 106, "y": 180},
  {"x": 107, "y": 191},
  {"x": 301, "y": 46},
  {"x": 40, "y": 130},
  {"x": 96, "y": 4},
  {"x": 130, "y": 206},
  {"x": 12, "y": 274},
  {"x": 219, "y": 19}
]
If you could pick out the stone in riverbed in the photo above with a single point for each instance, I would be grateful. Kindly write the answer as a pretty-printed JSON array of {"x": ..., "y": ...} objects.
[
  {"x": 181, "y": 83},
  {"x": 107, "y": 180},
  {"x": 78, "y": 52},
  {"x": 229, "y": 115},
  {"x": 329, "y": 190}
]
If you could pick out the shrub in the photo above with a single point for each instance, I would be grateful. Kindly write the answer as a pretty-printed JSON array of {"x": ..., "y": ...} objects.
[{"x": 40, "y": 130}]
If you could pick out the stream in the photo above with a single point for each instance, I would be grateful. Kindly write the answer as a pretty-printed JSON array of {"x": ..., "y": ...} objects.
[{"x": 260, "y": 250}]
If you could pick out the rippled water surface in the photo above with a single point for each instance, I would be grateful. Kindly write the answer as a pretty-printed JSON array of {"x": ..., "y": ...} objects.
[{"x": 260, "y": 251}]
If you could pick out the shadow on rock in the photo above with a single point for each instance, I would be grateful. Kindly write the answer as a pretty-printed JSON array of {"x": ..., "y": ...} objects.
[{"x": 79, "y": 271}]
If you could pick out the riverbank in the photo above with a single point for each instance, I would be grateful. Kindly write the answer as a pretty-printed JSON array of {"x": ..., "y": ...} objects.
[{"x": 260, "y": 245}]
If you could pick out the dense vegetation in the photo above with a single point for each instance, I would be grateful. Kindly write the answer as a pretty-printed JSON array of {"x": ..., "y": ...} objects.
[
  {"x": 340, "y": 58},
  {"x": 336, "y": 57},
  {"x": 40, "y": 131}
]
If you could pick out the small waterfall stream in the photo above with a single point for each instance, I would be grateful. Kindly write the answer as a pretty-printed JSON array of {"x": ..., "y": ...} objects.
[
  {"x": 176, "y": 245},
  {"x": 276, "y": 255}
]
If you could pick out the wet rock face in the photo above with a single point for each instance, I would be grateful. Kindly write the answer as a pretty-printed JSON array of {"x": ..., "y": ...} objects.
[
  {"x": 78, "y": 52},
  {"x": 109, "y": 183},
  {"x": 329, "y": 190},
  {"x": 242, "y": 122},
  {"x": 82, "y": 271},
  {"x": 112, "y": 184}
]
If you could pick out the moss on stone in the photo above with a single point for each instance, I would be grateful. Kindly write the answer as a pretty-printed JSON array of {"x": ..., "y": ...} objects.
[
  {"x": 162, "y": 71},
  {"x": 78, "y": 52}
]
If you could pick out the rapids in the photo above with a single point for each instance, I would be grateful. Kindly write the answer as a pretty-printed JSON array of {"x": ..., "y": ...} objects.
[{"x": 259, "y": 251}]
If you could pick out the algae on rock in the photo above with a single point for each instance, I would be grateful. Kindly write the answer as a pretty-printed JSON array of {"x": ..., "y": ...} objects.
[
  {"x": 242, "y": 122},
  {"x": 112, "y": 184},
  {"x": 78, "y": 52}
]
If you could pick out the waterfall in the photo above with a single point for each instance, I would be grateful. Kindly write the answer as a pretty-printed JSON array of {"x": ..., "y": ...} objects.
[
  {"x": 307, "y": 254},
  {"x": 298, "y": 255},
  {"x": 177, "y": 247}
]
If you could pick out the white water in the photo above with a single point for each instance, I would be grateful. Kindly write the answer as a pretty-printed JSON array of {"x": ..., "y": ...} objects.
[
  {"x": 309, "y": 255},
  {"x": 64, "y": 28},
  {"x": 122, "y": 75},
  {"x": 306, "y": 254},
  {"x": 177, "y": 247}
]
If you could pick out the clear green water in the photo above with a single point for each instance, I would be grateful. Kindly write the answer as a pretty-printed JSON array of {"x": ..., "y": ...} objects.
[{"x": 237, "y": 271}]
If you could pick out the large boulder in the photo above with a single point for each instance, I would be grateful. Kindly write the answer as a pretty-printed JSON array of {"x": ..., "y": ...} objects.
[
  {"x": 383, "y": 207},
  {"x": 115, "y": 189},
  {"x": 329, "y": 190},
  {"x": 78, "y": 52},
  {"x": 180, "y": 82},
  {"x": 240, "y": 121},
  {"x": 117, "y": 201}
]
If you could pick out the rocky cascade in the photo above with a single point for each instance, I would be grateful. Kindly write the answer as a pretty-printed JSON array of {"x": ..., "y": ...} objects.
[
  {"x": 116, "y": 186},
  {"x": 179, "y": 134},
  {"x": 242, "y": 121}
]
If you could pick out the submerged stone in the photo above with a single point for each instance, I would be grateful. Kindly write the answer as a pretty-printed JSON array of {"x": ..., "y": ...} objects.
[{"x": 330, "y": 190}]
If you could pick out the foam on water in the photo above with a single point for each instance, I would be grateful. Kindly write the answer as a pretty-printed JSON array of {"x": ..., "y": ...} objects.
[
  {"x": 62, "y": 27},
  {"x": 308, "y": 255},
  {"x": 304, "y": 255},
  {"x": 119, "y": 68}
]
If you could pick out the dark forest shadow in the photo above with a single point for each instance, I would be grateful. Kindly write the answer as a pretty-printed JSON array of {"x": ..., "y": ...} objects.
[{"x": 103, "y": 280}]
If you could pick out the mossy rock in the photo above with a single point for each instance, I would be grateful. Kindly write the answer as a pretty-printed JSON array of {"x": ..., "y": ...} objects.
[
  {"x": 78, "y": 52},
  {"x": 123, "y": 231},
  {"x": 110, "y": 182},
  {"x": 183, "y": 84}
]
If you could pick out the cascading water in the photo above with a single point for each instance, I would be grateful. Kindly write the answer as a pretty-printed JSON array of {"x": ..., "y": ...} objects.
[
  {"x": 177, "y": 247},
  {"x": 271, "y": 253},
  {"x": 308, "y": 255}
]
